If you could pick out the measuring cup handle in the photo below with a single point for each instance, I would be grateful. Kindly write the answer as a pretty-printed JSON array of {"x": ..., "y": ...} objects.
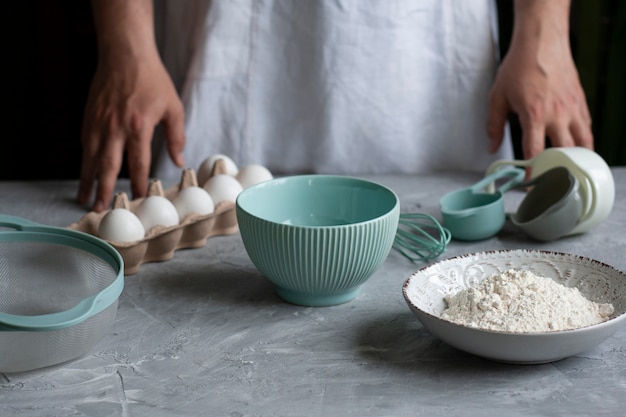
[
  {"x": 498, "y": 166},
  {"x": 516, "y": 174},
  {"x": 517, "y": 178}
]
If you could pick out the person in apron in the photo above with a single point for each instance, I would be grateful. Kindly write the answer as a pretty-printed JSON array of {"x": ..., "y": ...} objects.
[{"x": 343, "y": 87}]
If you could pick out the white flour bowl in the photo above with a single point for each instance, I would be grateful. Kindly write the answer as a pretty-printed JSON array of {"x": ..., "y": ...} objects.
[{"x": 425, "y": 289}]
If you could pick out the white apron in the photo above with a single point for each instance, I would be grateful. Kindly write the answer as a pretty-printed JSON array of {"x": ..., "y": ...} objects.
[{"x": 342, "y": 86}]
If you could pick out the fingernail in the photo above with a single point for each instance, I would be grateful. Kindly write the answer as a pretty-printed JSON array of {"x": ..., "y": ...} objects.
[{"x": 98, "y": 206}]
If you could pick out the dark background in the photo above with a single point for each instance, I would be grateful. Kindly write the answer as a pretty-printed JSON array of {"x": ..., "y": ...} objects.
[{"x": 52, "y": 56}]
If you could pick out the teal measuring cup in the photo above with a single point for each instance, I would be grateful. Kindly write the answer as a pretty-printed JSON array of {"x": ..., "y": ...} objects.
[{"x": 472, "y": 213}]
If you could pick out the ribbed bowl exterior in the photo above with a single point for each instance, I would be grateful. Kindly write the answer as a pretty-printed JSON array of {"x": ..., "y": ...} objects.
[{"x": 318, "y": 260}]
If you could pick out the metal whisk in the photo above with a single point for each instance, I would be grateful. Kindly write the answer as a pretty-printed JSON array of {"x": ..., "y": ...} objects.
[{"x": 420, "y": 237}]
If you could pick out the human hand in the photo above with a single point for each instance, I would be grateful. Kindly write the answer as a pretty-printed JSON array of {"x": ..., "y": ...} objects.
[
  {"x": 127, "y": 99},
  {"x": 538, "y": 80}
]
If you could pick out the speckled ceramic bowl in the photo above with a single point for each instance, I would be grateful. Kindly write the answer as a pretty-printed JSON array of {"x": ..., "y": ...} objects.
[
  {"x": 318, "y": 238},
  {"x": 425, "y": 289}
]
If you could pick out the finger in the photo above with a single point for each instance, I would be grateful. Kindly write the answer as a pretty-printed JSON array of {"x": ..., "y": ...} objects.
[
  {"x": 560, "y": 136},
  {"x": 574, "y": 122},
  {"x": 88, "y": 174},
  {"x": 581, "y": 134},
  {"x": 109, "y": 165},
  {"x": 498, "y": 113},
  {"x": 139, "y": 156},
  {"x": 90, "y": 142},
  {"x": 533, "y": 126},
  {"x": 174, "y": 124},
  {"x": 533, "y": 143},
  {"x": 584, "y": 108},
  {"x": 533, "y": 139}
]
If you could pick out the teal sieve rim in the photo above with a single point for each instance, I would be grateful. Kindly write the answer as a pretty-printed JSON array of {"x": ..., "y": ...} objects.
[{"x": 27, "y": 231}]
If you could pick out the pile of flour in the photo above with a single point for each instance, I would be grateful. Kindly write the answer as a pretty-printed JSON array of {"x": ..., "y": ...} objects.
[{"x": 522, "y": 302}]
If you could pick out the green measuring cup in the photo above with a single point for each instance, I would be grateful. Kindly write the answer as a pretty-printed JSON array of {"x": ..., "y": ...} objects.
[{"x": 474, "y": 214}]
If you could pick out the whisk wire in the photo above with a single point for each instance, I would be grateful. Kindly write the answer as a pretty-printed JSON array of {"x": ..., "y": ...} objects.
[{"x": 420, "y": 237}]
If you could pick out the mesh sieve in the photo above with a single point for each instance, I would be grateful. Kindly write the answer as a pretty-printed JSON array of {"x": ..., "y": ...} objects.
[{"x": 59, "y": 290}]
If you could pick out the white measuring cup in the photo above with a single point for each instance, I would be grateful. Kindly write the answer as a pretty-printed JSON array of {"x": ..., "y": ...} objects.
[{"x": 597, "y": 186}]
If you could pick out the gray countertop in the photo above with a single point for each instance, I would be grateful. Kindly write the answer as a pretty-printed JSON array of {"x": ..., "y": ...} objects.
[{"x": 204, "y": 334}]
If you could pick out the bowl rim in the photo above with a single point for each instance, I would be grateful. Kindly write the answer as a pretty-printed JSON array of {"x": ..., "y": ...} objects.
[
  {"x": 610, "y": 322},
  {"x": 394, "y": 208}
]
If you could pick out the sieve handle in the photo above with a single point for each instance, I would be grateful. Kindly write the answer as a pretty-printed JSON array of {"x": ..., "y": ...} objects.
[{"x": 17, "y": 223}]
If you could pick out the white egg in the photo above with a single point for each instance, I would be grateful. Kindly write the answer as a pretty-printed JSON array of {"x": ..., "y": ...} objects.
[
  {"x": 253, "y": 174},
  {"x": 191, "y": 200},
  {"x": 206, "y": 167},
  {"x": 223, "y": 187},
  {"x": 121, "y": 225},
  {"x": 157, "y": 210}
]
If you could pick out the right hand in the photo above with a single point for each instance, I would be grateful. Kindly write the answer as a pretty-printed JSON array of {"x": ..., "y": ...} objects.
[
  {"x": 129, "y": 96},
  {"x": 539, "y": 81}
]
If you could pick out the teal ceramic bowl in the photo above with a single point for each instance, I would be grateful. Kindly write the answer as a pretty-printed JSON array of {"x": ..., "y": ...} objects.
[{"x": 317, "y": 238}]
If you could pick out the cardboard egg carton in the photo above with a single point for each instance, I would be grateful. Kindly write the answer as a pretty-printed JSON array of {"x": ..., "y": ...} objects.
[{"x": 160, "y": 243}]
